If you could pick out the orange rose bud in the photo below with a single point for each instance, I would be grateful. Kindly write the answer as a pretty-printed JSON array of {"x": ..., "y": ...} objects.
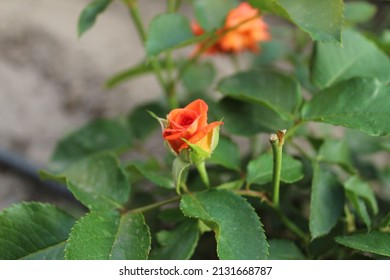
[
  {"x": 244, "y": 37},
  {"x": 187, "y": 130}
]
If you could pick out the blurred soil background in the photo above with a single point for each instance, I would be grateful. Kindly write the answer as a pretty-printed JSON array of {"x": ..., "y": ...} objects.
[{"x": 52, "y": 82}]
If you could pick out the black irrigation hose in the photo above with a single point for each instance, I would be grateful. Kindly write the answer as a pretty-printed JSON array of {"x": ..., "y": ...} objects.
[{"x": 29, "y": 171}]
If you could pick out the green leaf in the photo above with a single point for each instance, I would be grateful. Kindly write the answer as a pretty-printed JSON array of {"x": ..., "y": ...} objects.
[
  {"x": 88, "y": 15},
  {"x": 360, "y": 208},
  {"x": 227, "y": 154},
  {"x": 360, "y": 194},
  {"x": 96, "y": 181},
  {"x": 358, "y": 11},
  {"x": 96, "y": 136},
  {"x": 156, "y": 176},
  {"x": 270, "y": 52},
  {"x": 140, "y": 122},
  {"x": 271, "y": 6},
  {"x": 373, "y": 242},
  {"x": 233, "y": 220},
  {"x": 321, "y": 19},
  {"x": 259, "y": 170},
  {"x": 109, "y": 236},
  {"x": 327, "y": 202},
  {"x": 33, "y": 231},
  {"x": 358, "y": 57},
  {"x": 336, "y": 151},
  {"x": 362, "y": 189},
  {"x": 211, "y": 14},
  {"x": 284, "y": 250},
  {"x": 273, "y": 90},
  {"x": 197, "y": 78},
  {"x": 178, "y": 244},
  {"x": 247, "y": 119},
  {"x": 167, "y": 31},
  {"x": 359, "y": 103}
]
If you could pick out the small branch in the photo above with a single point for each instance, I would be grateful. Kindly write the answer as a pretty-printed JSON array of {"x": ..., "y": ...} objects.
[
  {"x": 154, "y": 205},
  {"x": 261, "y": 195},
  {"x": 291, "y": 226},
  {"x": 283, "y": 218}
]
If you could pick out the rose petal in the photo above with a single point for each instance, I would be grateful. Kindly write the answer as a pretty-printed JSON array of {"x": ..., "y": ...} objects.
[
  {"x": 201, "y": 108},
  {"x": 200, "y": 135}
]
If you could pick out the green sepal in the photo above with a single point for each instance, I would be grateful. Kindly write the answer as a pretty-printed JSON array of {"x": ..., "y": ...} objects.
[
  {"x": 179, "y": 172},
  {"x": 163, "y": 122}
]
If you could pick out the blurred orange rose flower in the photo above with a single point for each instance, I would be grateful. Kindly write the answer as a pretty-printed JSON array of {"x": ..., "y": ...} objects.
[
  {"x": 244, "y": 37},
  {"x": 190, "y": 123}
]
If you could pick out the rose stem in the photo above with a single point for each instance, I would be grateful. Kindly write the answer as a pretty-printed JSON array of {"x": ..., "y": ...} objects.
[
  {"x": 135, "y": 16},
  {"x": 277, "y": 141},
  {"x": 203, "y": 173}
]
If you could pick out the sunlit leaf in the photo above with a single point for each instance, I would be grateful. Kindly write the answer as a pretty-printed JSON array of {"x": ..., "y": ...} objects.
[{"x": 233, "y": 220}]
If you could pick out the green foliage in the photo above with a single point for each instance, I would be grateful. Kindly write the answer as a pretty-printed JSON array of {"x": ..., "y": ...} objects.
[
  {"x": 204, "y": 75},
  {"x": 88, "y": 16},
  {"x": 259, "y": 170},
  {"x": 336, "y": 151},
  {"x": 373, "y": 242},
  {"x": 142, "y": 129},
  {"x": 359, "y": 103},
  {"x": 96, "y": 181},
  {"x": 275, "y": 91},
  {"x": 284, "y": 250},
  {"x": 359, "y": 11},
  {"x": 155, "y": 175},
  {"x": 247, "y": 119},
  {"x": 97, "y": 136},
  {"x": 34, "y": 231},
  {"x": 360, "y": 194},
  {"x": 357, "y": 57},
  {"x": 178, "y": 244},
  {"x": 233, "y": 221},
  {"x": 211, "y": 14},
  {"x": 227, "y": 154},
  {"x": 322, "y": 19},
  {"x": 167, "y": 31},
  {"x": 109, "y": 236},
  {"x": 327, "y": 200}
]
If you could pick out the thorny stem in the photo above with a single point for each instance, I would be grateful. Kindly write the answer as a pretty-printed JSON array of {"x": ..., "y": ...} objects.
[{"x": 154, "y": 205}]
